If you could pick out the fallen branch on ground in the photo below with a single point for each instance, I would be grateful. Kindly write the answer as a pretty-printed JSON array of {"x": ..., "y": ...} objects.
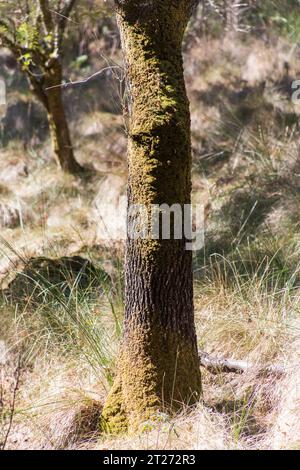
[{"x": 216, "y": 365}]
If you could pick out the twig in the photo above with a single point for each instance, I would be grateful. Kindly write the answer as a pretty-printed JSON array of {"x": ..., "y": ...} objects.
[
  {"x": 216, "y": 365},
  {"x": 85, "y": 80},
  {"x": 63, "y": 16}
]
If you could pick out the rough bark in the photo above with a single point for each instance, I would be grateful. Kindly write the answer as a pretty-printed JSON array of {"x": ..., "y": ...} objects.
[{"x": 158, "y": 367}]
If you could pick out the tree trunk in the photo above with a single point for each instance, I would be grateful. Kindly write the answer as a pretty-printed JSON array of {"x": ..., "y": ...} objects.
[
  {"x": 158, "y": 366},
  {"x": 59, "y": 129}
]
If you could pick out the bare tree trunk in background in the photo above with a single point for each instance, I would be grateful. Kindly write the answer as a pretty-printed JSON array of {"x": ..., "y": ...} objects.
[
  {"x": 59, "y": 129},
  {"x": 158, "y": 366},
  {"x": 49, "y": 92},
  {"x": 44, "y": 70}
]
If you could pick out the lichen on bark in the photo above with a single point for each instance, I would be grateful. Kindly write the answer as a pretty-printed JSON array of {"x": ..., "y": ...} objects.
[{"x": 158, "y": 366}]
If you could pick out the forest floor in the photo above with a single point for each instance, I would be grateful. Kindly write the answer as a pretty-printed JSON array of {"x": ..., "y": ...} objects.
[{"x": 62, "y": 280}]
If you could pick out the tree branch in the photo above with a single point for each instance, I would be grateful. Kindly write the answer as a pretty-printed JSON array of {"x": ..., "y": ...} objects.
[
  {"x": 47, "y": 16},
  {"x": 64, "y": 16},
  {"x": 217, "y": 365},
  {"x": 84, "y": 80}
]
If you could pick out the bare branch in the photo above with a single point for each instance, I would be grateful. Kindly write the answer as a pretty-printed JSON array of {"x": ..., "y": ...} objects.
[
  {"x": 70, "y": 4},
  {"x": 66, "y": 18},
  {"x": 85, "y": 80},
  {"x": 64, "y": 14},
  {"x": 217, "y": 365}
]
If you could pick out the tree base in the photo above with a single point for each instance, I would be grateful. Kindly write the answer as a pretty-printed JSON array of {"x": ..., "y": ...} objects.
[
  {"x": 158, "y": 374},
  {"x": 114, "y": 418}
]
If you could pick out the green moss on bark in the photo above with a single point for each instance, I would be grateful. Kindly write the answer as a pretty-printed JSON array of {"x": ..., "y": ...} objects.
[
  {"x": 158, "y": 367},
  {"x": 114, "y": 417},
  {"x": 156, "y": 372}
]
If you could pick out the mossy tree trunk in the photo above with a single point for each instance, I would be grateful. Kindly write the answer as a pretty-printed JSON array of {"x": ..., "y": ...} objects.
[{"x": 158, "y": 366}]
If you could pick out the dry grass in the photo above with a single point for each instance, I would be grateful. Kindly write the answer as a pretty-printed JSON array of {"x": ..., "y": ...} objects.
[
  {"x": 69, "y": 352},
  {"x": 194, "y": 429}
]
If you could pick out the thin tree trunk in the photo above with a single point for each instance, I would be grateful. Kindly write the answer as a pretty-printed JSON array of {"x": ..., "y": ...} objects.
[
  {"x": 59, "y": 129},
  {"x": 158, "y": 367}
]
